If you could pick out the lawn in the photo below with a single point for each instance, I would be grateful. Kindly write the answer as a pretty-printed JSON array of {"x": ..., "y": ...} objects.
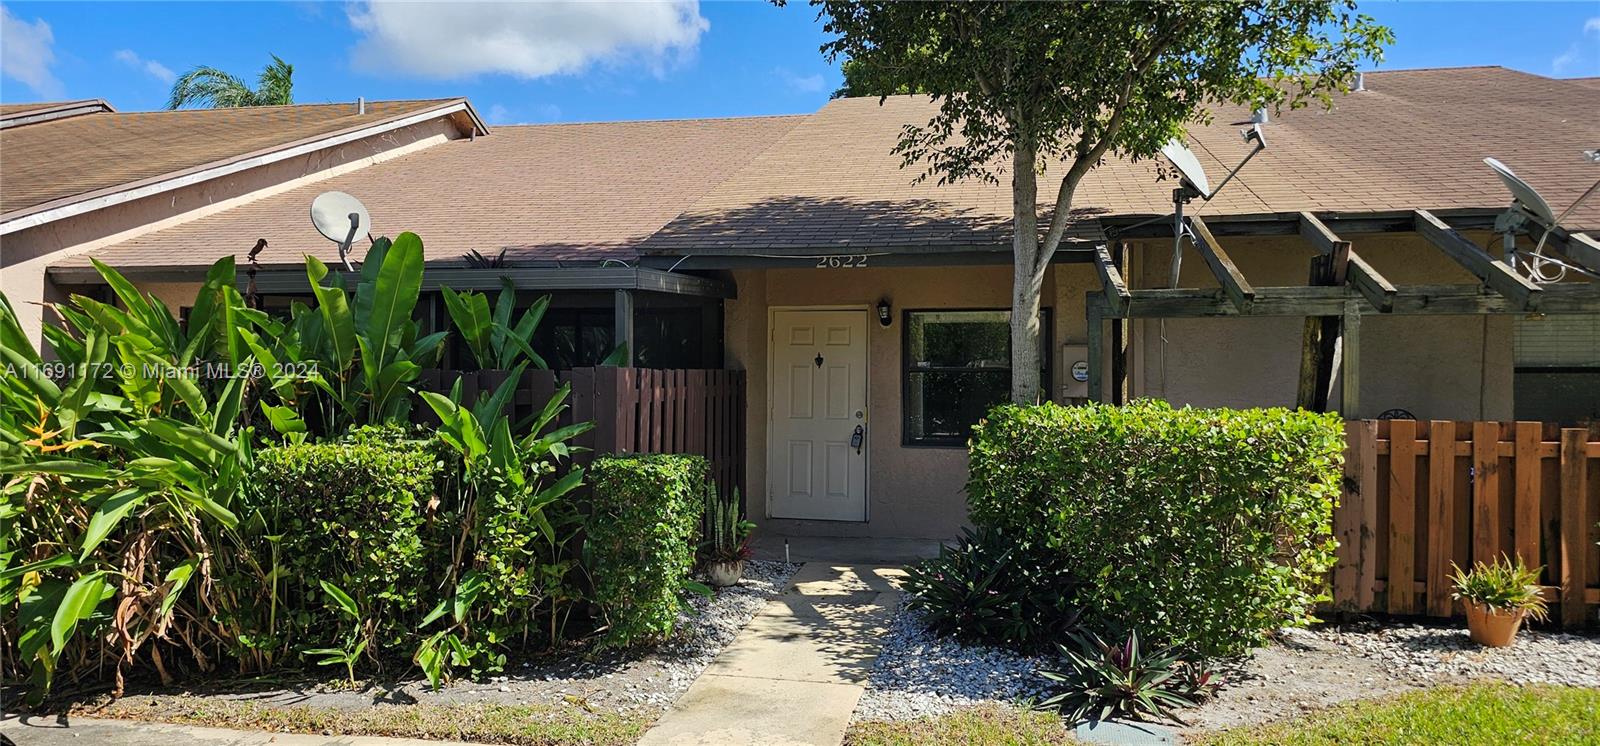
[
  {"x": 1482, "y": 713},
  {"x": 518, "y": 725}
]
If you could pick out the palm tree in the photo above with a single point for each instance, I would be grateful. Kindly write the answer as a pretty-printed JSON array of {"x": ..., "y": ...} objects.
[{"x": 209, "y": 87}]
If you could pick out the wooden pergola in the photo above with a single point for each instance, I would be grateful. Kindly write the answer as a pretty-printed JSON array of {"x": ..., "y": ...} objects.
[{"x": 1343, "y": 287}]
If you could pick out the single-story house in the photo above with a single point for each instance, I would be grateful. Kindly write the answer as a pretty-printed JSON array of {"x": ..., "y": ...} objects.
[{"x": 869, "y": 311}]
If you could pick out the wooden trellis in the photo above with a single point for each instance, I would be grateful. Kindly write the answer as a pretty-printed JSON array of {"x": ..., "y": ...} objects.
[{"x": 1343, "y": 287}]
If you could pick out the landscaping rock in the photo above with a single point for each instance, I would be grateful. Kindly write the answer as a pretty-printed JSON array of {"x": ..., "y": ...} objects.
[{"x": 919, "y": 673}]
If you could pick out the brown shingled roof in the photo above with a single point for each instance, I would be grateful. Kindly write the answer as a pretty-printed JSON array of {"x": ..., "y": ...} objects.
[
  {"x": 61, "y": 161},
  {"x": 1413, "y": 139},
  {"x": 544, "y": 192}
]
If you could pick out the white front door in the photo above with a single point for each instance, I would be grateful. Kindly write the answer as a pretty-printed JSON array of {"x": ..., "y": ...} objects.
[{"x": 817, "y": 444}]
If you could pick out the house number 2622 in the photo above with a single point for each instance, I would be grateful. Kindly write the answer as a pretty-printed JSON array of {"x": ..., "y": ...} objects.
[{"x": 838, "y": 262}]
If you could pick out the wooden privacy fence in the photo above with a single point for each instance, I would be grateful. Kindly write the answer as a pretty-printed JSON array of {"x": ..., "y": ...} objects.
[
  {"x": 1419, "y": 496},
  {"x": 635, "y": 410}
]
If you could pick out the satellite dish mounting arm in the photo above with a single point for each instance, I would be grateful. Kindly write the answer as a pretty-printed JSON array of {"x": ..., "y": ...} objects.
[{"x": 344, "y": 246}]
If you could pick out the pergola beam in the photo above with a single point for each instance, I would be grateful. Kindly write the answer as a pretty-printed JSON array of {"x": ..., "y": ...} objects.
[
  {"x": 1359, "y": 274},
  {"x": 1494, "y": 272},
  {"x": 1111, "y": 282},
  {"x": 1579, "y": 247},
  {"x": 1410, "y": 300},
  {"x": 1222, "y": 267}
]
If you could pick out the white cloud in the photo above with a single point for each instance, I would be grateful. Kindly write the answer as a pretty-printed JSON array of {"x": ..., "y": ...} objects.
[
  {"x": 150, "y": 67},
  {"x": 499, "y": 114},
  {"x": 527, "y": 40},
  {"x": 1582, "y": 53},
  {"x": 27, "y": 52},
  {"x": 801, "y": 83}
]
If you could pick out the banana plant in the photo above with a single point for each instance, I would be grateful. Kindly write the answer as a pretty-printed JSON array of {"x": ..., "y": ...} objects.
[
  {"x": 365, "y": 346},
  {"x": 489, "y": 335}
]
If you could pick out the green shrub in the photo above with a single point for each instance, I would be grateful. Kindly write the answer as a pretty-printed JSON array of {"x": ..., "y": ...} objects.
[
  {"x": 1205, "y": 528},
  {"x": 351, "y": 513},
  {"x": 989, "y": 590},
  {"x": 640, "y": 544}
]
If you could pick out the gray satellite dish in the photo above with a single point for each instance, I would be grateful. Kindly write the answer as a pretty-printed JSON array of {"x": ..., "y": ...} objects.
[
  {"x": 341, "y": 218},
  {"x": 1527, "y": 206},
  {"x": 1524, "y": 193},
  {"x": 1195, "y": 184},
  {"x": 1188, "y": 165}
]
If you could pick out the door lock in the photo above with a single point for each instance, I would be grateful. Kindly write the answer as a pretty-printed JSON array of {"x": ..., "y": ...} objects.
[{"x": 857, "y": 437}]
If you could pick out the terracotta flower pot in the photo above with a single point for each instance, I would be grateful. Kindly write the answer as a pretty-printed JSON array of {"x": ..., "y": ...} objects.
[
  {"x": 724, "y": 574},
  {"x": 1494, "y": 628}
]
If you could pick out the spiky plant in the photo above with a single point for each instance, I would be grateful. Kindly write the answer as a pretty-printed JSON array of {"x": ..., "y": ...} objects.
[{"x": 726, "y": 535}]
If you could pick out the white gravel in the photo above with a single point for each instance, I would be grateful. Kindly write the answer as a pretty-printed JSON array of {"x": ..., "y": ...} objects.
[
  {"x": 1428, "y": 654},
  {"x": 920, "y": 674}
]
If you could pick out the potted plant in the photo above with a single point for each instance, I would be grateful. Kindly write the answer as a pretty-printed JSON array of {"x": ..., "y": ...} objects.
[
  {"x": 727, "y": 538},
  {"x": 1498, "y": 596}
]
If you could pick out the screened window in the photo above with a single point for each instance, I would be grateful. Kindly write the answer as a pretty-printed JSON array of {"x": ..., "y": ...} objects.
[{"x": 957, "y": 366}]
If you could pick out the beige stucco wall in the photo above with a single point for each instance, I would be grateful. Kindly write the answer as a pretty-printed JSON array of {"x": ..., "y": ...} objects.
[
  {"x": 26, "y": 254},
  {"x": 912, "y": 491},
  {"x": 1442, "y": 367},
  {"x": 1435, "y": 366}
]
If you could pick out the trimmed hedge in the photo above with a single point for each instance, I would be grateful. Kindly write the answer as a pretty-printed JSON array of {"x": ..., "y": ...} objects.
[
  {"x": 640, "y": 544},
  {"x": 1206, "y": 528},
  {"x": 352, "y": 512}
]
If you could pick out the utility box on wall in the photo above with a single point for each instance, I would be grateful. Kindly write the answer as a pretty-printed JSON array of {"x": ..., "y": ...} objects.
[{"x": 1074, "y": 373}]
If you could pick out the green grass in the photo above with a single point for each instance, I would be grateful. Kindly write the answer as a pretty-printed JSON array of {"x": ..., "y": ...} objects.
[
  {"x": 520, "y": 725},
  {"x": 1481, "y": 714},
  {"x": 977, "y": 725},
  {"x": 1489, "y": 714}
]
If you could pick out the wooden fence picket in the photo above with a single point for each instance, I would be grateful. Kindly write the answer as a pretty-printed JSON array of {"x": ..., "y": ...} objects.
[{"x": 1421, "y": 497}]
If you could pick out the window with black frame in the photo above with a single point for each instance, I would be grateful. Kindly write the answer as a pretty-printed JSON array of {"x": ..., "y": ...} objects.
[{"x": 957, "y": 366}]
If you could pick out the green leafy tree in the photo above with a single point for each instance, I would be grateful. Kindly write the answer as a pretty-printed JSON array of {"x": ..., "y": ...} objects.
[
  {"x": 1020, "y": 86},
  {"x": 208, "y": 87}
]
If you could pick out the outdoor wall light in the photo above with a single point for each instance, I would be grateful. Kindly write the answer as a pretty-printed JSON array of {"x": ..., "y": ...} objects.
[{"x": 883, "y": 312}]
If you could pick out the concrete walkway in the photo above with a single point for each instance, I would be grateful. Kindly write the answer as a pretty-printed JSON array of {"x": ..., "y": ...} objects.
[
  {"x": 794, "y": 674},
  {"x": 77, "y": 731}
]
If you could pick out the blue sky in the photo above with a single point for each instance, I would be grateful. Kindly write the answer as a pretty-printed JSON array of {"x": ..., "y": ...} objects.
[{"x": 590, "y": 61}]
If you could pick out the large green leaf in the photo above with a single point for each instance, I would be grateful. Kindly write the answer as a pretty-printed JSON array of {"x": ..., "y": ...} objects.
[
  {"x": 11, "y": 335},
  {"x": 79, "y": 603},
  {"x": 107, "y": 517},
  {"x": 470, "y": 314},
  {"x": 384, "y": 307},
  {"x": 338, "y": 325}
]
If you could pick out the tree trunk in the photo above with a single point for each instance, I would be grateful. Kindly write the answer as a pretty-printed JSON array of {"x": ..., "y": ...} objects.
[{"x": 1027, "y": 281}]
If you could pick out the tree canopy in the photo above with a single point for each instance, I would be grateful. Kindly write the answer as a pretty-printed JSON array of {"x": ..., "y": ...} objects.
[
  {"x": 211, "y": 88},
  {"x": 1019, "y": 85}
]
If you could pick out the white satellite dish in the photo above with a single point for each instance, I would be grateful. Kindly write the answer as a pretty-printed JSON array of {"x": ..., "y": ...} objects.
[
  {"x": 1188, "y": 165},
  {"x": 1195, "y": 184},
  {"x": 1524, "y": 194},
  {"x": 341, "y": 218},
  {"x": 1528, "y": 206}
]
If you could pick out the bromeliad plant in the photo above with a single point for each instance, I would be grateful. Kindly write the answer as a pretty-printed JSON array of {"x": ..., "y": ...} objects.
[
  {"x": 1102, "y": 681},
  {"x": 990, "y": 589}
]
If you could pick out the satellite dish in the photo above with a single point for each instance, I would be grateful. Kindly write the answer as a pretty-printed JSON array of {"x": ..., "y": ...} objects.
[
  {"x": 1188, "y": 165},
  {"x": 1524, "y": 194},
  {"x": 1527, "y": 206},
  {"x": 340, "y": 217},
  {"x": 1195, "y": 184}
]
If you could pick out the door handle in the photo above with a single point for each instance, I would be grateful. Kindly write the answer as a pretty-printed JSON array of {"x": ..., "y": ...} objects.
[{"x": 857, "y": 437}]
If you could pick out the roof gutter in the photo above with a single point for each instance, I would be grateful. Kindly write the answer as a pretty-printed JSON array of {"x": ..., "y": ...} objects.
[
  {"x": 59, "y": 111},
  {"x": 100, "y": 199}
]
